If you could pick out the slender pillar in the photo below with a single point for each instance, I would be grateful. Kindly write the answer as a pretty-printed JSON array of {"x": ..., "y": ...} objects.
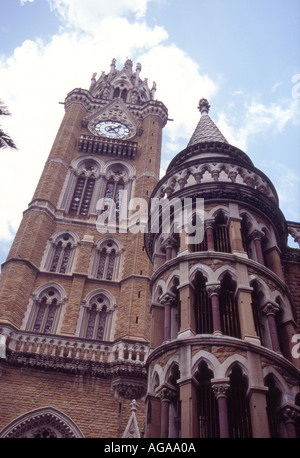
[
  {"x": 166, "y": 394},
  {"x": 288, "y": 415},
  {"x": 167, "y": 301},
  {"x": 213, "y": 293},
  {"x": 256, "y": 237},
  {"x": 210, "y": 236},
  {"x": 270, "y": 309},
  {"x": 220, "y": 389}
]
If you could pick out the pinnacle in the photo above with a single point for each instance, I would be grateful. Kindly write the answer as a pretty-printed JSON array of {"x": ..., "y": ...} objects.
[{"x": 206, "y": 130}]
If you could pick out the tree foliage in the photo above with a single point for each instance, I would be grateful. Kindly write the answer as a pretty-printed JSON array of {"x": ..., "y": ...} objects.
[{"x": 5, "y": 139}]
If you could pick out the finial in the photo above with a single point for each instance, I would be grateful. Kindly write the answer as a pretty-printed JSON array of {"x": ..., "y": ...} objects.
[
  {"x": 204, "y": 106},
  {"x": 133, "y": 405}
]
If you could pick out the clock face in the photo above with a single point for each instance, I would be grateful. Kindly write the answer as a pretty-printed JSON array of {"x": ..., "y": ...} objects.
[{"x": 112, "y": 129}]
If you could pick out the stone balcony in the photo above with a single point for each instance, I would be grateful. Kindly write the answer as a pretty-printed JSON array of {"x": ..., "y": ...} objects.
[{"x": 123, "y": 362}]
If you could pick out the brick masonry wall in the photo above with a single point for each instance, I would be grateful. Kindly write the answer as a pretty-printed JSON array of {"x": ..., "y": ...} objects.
[{"x": 88, "y": 402}]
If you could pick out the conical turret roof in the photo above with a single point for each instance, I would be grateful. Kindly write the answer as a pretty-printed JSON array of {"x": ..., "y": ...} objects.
[{"x": 206, "y": 130}]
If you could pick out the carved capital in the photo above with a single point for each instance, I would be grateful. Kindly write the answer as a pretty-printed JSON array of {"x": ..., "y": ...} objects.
[
  {"x": 168, "y": 299},
  {"x": 256, "y": 235},
  {"x": 213, "y": 289},
  {"x": 220, "y": 388},
  {"x": 270, "y": 308},
  {"x": 289, "y": 413},
  {"x": 166, "y": 393}
]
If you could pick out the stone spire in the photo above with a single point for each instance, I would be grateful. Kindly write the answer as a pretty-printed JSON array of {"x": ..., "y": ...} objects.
[{"x": 206, "y": 130}]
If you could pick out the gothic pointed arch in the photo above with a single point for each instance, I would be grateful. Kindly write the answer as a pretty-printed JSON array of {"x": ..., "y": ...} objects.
[
  {"x": 45, "y": 422},
  {"x": 45, "y": 308}
]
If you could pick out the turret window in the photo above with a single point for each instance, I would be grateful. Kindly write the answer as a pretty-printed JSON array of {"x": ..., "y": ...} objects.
[
  {"x": 228, "y": 307},
  {"x": 221, "y": 235},
  {"x": 202, "y": 307}
]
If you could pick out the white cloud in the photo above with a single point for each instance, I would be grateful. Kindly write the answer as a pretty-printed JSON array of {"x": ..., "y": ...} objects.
[
  {"x": 39, "y": 75},
  {"x": 257, "y": 118},
  {"x": 25, "y": 1},
  {"x": 87, "y": 15}
]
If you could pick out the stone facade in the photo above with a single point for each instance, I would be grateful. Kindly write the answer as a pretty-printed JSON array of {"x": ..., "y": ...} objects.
[{"x": 117, "y": 333}]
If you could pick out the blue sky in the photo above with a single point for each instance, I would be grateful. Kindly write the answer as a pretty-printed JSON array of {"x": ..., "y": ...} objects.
[{"x": 243, "y": 55}]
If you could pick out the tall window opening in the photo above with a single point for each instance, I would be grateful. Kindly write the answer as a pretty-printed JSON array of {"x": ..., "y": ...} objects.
[
  {"x": 60, "y": 254},
  {"x": 113, "y": 193},
  {"x": 273, "y": 403},
  {"x": 107, "y": 260},
  {"x": 206, "y": 404},
  {"x": 203, "y": 315},
  {"x": 256, "y": 304},
  {"x": 82, "y": 196},
  {"x": 175, "y": 406},
  {"x": 97, "y": 319},
  {"x": 238, "y": 406},
  {"x": 228, "y": 307},
  {"x": 244, "y": 233},
  {"x": 221, "y": 234},
  {"x": 45, "y": 312}
]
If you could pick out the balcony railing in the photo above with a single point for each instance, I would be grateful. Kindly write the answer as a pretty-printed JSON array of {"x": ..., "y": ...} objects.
[{"x": 107, "y": 146}]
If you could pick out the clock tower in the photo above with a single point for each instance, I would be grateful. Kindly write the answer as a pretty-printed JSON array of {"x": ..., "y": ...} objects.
[{"x": 75, "y": 296}]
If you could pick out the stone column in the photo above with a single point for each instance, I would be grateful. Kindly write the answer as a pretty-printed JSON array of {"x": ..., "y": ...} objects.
[
  {"x": 166, "y": 393},
  {"x": 220, "y": 389},
  {"x": 235, "y": 235},
  {"x": 257, "y": 236},
  {"x": 210, "y": 235},
  {"x": 288, "y": 416},
  {"x": 188, "y": 400},
  {"x": 167, "y": 301},
  {"x": 270, "y": 309},
  {"x": 213, "y": 293}
]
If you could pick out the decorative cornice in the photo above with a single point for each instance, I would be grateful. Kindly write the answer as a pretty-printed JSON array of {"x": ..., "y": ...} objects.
[
  {"x": 220, "y": 341},
  {"x": 90, "y": 368}
]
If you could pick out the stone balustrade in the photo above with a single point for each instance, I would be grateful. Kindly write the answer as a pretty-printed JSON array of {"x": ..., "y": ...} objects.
[{"x": 81, "y": 349}]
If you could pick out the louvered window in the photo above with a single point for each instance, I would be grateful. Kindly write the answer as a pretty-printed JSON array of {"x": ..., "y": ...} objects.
[
  {"x": 221, "y": 235},
  {"x": 228, "y": 308},
  {"x": 96, "y": 323},
  {"x": 202, "y": 307},
  {"x": 45, "y": 316},
  {"x": 207, "y": 404},
  {"x": 238, "y": 407},
  {"x": 82, "y": 196}
]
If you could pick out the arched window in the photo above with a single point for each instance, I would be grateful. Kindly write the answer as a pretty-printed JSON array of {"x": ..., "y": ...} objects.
[
  {"x": 61, "y": 253},
  {"x": 45, "y": 311},
  {"x": 274, "y": 397},
  {"x": 202, "y": 307},
  {"x": 80, "y": 203},
  {"x": 43, "y": 423},
  {"x": 206, "y": 403},
  {"x": 107, "y": 261},
  {"x": 122, "y": 93},
  {"x": 174, "y": 408},
  {"x": 256, "y": 310},
  {"x": 113, "y": 192},
  {"x": 221, "y": 235},
  {"x": 228, "y": 307},
  {"x": 97, "y": 318},
  {"x": 238, "y": 406},
  {"x": 82, "y": 187}
]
